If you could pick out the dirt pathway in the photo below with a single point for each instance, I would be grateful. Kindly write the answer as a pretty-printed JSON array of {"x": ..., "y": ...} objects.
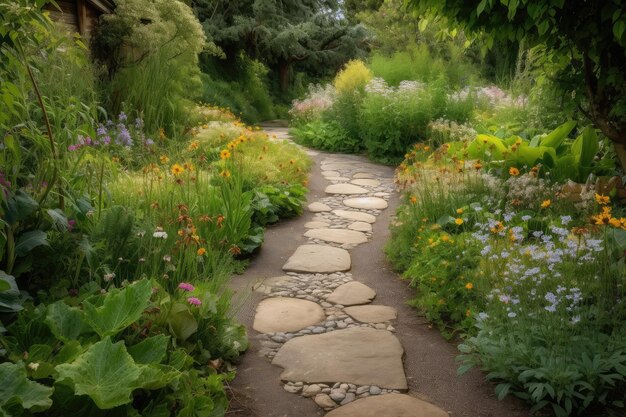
[{"x": 329, "y": 328}]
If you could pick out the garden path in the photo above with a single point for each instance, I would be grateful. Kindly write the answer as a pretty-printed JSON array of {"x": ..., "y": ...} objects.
[{"x": 329, "y": 327}]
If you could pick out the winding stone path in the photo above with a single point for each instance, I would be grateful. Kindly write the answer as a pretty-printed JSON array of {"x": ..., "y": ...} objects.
[{"x": 327, "y": 337}]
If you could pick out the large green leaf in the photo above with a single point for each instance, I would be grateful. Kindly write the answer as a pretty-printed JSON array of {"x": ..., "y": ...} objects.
[
  {"x": 585, "y": 147},
  {"x": 16, "y": 388},
  {"x": 555, "y": 138},
  {"x": 151, "y": 350},
  {"x": 105, "y": 372},
  {"x": 30, "y": 240},
  {"x": 19, "y": 207},
  {"x": 10, "y": 298},
  {"x": 108, "y": 374},
  {"x": 181, "y": 322},
  {"x": 65, "y": 322},
  {"x": 119, "y": 309},
  {"x": 529, "y": 156}
]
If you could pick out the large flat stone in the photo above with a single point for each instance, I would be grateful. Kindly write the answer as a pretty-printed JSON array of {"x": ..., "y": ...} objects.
[
  {"x": 282, "y": 314},
  {"x": 358, "y": 355},
  {"x": 337, "y": 235},
  {"x": 366, "y": 182},
  {"x": 360, "y": 175},
  {"x": 318, "y": 207},
  {"x": 355, "y": 215},
  {"x": 318, "y": 258},
  {"x": 367, "y": 203},
  {"x": 352, "y": 293},
  {"x": 372, "y": 313},
  {"x": 360, "y": 227},
  {"x": 345, "y": 189},
  {"x": 338, "y": 166},
  {"x": 316, "y": 225},
  {"x": 390, "y": 405},
  {"x": 330, "y": 173}
]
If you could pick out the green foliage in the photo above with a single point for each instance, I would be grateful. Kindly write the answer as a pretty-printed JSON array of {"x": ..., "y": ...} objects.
[
  {"x": 328, "y": 136},
  {"x": 585, "y": 41},
  {"x": 271, "y": 203},
  {"x": 310, "y": 35},
  {"x": 17, "y": 391},
  {"x": 162, "y": 71}
]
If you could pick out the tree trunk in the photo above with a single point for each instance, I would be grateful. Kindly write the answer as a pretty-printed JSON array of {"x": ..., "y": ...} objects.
[{"x": 284, "y": 74}]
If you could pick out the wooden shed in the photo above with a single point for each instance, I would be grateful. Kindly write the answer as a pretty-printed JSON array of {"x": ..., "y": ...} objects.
[{"x": 79, "y": 16}]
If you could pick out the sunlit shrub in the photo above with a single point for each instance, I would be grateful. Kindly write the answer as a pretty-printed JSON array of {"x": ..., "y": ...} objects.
[{"x": 354, "y": 76}]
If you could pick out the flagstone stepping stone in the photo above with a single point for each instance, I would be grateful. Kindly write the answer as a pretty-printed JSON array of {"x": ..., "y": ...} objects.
[
  {"x": 351, "y": 293},
  {"x": 390, "y": 405},
  {"x": 358, "y": 355},
  {"x": 316, "y": 225},
  {"x": 318, "y": 207},
  {"x": 372, "y": 313},
  {"x": 266, "y": 285},
  {"x": 360, "y": 227},
  {"x": 341, "y": 179},
  {"x": 367, "y": 203},
  {"x": 282, "y": 314},
  {"x": 338, "y": 166},
  {"x": 366, "y": 182},
  {"x": 318, "y": 258},
  {"x": 345, "y": 189},
  {"x": 330, "y": 173},
  {"x": 355, "y": 215},
  {"x": 359, "y": 175},
  {"x": 337, "y": 235}
]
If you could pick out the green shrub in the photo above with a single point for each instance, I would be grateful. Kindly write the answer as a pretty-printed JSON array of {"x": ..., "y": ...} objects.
[
  {"x": 155, "y": 70},
  {"x": 328, "y": 136}
]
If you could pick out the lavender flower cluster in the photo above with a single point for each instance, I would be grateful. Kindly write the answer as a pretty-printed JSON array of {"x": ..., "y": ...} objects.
[{"x": 114, "y": 133}]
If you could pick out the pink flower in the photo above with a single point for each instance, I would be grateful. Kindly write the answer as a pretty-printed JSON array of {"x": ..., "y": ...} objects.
[
  {"x": 194, "y": 301},
  {"x": 185, "y": 286},
  {"x": 70, "y": 225}
]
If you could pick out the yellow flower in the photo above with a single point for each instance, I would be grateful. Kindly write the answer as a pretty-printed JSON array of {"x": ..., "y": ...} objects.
[
  {"x": 546, "y": 203},
  {"x": 164, "y": 159},
  {"x": 413, "y": 199},
  {"x": 602, "y": 199},
  {"x": 231, "y": 145},
  {"x": 201, "y": 251},
  {"x": 445, "y": 238},
  {"x": 468, "y": 313},
  {"x": 478, "y": 165},
  {"x": 469, "y": 286},
  {"x": 458, "y": 221},
  {"x": 225, "y": 154},
  {"x": 177, "y": 169},
  {"x": 514, "y": 172},
  {"x": 193, "y": 145},
  {"x": 162, "y": 133},
  {"x": 459, "y": 211},
  {"x": 225, "y": 173}
]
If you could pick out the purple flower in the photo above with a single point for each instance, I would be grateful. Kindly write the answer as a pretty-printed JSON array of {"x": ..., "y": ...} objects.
[
  {"x": 71, "y": 224},
  {"x": 102, "y": 131},
  {"x": 106, "y": 140},
  {"x": 122, "y": 117},
  {"x": 72, "y": 148},
  {"x": 123, "y": 137},
  {"x": 185, "y": 286},
  {"x": 138, "y": 123},
  {"x": 194, "y": 301},
  {"x": 149, "y": 142}
]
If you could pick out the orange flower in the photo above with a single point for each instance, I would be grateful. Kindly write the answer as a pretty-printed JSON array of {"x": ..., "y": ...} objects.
[
  {"x": 546, "y": 203},
  {"x": 201, "y": 251},
  {"x": 478, "y": 165},
  {"x": 225, "y": 154},
  {"x": 413, "y": 199},
  {"x": 225, "y": 173},
  {"x": 177, "y": 169},
  {"x": 458, "y": 221},
  {"x": 602, "y": 199},
  {"x": 514, "y": 172},
  {"x": 469, "y": 286},
  {"x": 193, "y": 145},
  {"x": 164, "y": 159}
]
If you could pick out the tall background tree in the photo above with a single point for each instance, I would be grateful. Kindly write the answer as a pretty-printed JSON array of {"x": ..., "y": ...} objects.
[
  {"x": 585, "y": 44},
  {"x": 312, "y": 35}
]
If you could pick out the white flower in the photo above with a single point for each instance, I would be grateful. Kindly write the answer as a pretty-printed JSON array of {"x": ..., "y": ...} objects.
[
  {"x": 33, "y": 366},
  {"x": 159, "y": 233}
]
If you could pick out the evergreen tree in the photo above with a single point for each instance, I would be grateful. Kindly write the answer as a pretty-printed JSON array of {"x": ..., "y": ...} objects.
[{"x": 314, "y": 35}]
